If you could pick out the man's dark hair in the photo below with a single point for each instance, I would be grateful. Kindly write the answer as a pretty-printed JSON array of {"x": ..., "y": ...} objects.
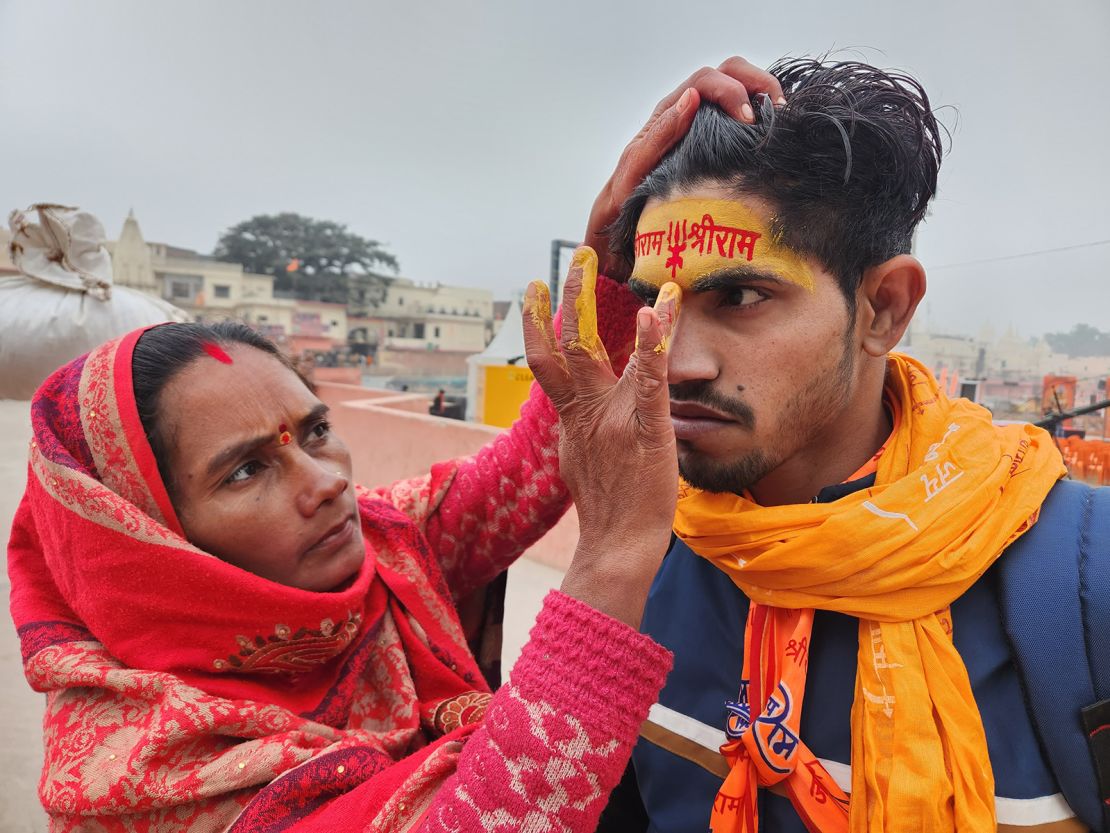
[
  {"x": 848, "y": 165},
  {"x": 164, "y": 351}
]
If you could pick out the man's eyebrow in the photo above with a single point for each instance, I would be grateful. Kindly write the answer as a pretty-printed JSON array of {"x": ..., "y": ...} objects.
[
  {"x": 642, "y": 289},
  {"x": 734, "y": 276},
  {"x": 241, "y": 449}
]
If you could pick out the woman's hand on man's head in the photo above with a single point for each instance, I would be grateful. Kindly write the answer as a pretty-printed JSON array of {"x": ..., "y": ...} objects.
[
  {"x": 730, "y": 86},
  {"x": 617, "y": 446}
]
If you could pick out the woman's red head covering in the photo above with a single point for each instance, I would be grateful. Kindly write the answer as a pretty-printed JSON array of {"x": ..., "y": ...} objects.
[{"x": 179, "y": 682}]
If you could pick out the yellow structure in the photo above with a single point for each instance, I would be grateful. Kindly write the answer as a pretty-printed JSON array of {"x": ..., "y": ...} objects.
[
  {"x": 505, "y": 389},
  {"x": 498, "y": 379}
]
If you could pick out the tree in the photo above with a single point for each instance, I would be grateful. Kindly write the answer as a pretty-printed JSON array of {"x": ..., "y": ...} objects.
[
  {"x": 317, "y": 260},
  {"x": 1083, "y": 340}
]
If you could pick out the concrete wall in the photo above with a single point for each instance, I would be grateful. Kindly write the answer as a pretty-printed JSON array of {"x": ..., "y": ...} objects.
[
  {"x": 423, "y": 362},
  {"x": 391, "y": 436},
  {"x": 346, "y": 375}
]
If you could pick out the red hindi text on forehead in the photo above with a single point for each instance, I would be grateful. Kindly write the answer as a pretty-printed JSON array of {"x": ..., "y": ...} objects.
[{"x": 705, "y": 237}]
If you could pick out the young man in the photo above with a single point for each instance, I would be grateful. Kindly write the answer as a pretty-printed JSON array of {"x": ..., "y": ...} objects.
[{"x": 842, "y": 526}]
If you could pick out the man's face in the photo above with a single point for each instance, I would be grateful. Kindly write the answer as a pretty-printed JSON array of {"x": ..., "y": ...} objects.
[{"x": 763, "y": 357}]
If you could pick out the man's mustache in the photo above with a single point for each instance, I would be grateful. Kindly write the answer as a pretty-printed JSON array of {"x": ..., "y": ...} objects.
[{"x": 703, "y": 393}]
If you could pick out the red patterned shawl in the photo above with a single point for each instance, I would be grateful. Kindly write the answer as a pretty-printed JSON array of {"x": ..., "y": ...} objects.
[{"x": 184, "y": 693}]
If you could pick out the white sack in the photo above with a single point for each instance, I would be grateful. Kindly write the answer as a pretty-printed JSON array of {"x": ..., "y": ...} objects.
[{"x": 63, "y": 304}]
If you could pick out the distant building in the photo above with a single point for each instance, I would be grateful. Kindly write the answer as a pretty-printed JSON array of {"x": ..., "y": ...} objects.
[
  {"x": 428, "y": 317},
  {"x": 1009, "y": 358},
  {"x": 410, "y": 317},
  {"x": 1004, "y": 373},
  {"x": 210, "y": 289},
  {"x": 500, "y": 310}
]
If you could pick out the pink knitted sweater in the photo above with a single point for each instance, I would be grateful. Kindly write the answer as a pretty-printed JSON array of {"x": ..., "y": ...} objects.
[{"x": 557, "y": 737}]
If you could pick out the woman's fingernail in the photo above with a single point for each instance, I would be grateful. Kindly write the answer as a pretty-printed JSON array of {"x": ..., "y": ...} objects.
[
  {"x": 643, "y": 321},
  {"x": 667, "y": 304},
  {"x": 537, "y": 303},
  {"x": 746, "y": 109},
  {"x": 780, "y": 101},
  {"x": 684, "y": 100}
]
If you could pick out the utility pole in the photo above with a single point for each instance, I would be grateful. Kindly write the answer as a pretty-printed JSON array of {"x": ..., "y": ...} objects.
[{"x": 557, "y": 247}]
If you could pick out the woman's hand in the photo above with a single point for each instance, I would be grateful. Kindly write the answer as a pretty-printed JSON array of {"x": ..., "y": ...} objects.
[
  {"x": 617, "y": 445},
  {"x": 730, "y": 86}
]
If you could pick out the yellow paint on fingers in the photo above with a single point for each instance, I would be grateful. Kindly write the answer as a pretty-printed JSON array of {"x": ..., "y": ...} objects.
[
  {"x": 585, "y": 306},
  {"x": 537, "y": 306},
  {"x": 667, "y": 306}
]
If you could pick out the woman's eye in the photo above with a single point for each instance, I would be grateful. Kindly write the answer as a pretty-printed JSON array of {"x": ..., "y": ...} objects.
[
  {"x": 321, "y": 429},
  {"x": 245, "y": 472}
]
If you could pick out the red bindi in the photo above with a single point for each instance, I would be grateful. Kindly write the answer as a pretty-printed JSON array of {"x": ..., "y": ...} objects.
[
  {"x": 284, "y": 437},
  {"x": 216, "y": 352}
]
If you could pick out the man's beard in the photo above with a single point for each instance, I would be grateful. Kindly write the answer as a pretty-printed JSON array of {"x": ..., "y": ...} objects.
[
  {"x": 809, "y": 410},
  {"x": 733, "y": 475}
]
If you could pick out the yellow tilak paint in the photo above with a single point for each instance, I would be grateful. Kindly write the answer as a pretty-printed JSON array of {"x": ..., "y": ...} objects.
[
  {"x": 585, "y": 259},
  {"x": 537, "y": 305},
  {"x": 684, "y": 240}
]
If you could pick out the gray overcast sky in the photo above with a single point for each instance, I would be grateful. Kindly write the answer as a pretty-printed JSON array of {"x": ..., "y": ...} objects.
[{"x": 466, "y": 135}]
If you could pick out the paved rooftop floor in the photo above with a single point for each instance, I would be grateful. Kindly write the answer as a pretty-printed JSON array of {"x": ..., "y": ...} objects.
[{"x": 21, "y": 708}]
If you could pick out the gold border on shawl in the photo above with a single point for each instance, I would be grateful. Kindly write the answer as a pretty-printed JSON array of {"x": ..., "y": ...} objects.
[
  {"x": 95, "y": 502},
  {"x": 104, "y": 431},
  {"x": 685, "y": 748}
]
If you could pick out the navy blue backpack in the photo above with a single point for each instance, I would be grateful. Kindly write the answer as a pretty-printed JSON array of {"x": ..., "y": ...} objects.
[{"x": 1055, "y": 600}]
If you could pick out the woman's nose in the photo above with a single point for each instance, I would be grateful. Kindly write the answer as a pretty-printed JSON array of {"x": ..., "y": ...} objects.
[{"x": 323, "y": 481}]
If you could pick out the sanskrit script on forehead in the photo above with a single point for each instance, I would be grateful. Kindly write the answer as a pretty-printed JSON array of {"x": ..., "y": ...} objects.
[{"x": 686, "y": 239}]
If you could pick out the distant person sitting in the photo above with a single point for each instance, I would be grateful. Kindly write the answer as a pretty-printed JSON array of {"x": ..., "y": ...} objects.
[{"x": 439, "y": 407}]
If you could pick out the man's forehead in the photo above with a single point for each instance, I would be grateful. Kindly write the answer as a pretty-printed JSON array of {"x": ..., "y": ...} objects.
[{"x": 700, "y": 232}]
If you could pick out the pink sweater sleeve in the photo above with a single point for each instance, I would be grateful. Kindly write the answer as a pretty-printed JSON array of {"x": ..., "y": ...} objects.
[
  {"x": 503, "y": 499},
  {"x": 557, "y": 737}
]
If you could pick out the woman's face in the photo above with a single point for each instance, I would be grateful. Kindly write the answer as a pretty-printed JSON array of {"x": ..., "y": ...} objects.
[{"x": 260, "y": 480}]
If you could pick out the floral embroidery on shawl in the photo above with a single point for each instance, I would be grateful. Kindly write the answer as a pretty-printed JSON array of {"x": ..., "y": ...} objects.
[
  {"x": 461, "y": 710},
  {"x": 289, "y": 652}
]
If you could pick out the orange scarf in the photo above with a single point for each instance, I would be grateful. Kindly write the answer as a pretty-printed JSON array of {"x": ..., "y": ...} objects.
[{"x": 952, "y": 491}]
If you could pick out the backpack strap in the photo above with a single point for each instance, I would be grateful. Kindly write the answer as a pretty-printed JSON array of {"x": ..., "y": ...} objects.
[{"x": 1055, "y": 601}]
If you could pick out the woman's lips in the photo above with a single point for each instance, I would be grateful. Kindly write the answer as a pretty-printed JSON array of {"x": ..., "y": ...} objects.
[
  {"x": 693, "y": 421},
  {"x": 334, "y": 539}
]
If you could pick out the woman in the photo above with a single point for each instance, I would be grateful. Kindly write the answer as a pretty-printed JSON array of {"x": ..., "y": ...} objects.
[{"x": 231, "y": 635}]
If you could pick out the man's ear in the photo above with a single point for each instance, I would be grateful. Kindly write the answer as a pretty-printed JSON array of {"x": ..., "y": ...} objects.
[{"x": 886, "y": 300}]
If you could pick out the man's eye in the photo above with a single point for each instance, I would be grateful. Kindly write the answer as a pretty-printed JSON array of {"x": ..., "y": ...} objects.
[
  {"x": 321, "y": 429},
  {"x": 742, "y": 296},
  {"x": 245, "y": 472}
]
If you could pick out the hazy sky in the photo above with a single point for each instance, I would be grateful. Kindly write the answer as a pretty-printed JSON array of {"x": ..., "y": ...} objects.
[{"x": 465, "y": 136}]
